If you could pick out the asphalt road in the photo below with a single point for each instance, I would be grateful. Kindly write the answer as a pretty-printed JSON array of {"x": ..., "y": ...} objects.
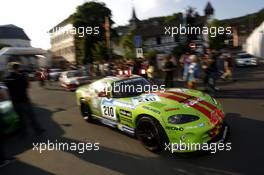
[{"x": 120, "y": 154}]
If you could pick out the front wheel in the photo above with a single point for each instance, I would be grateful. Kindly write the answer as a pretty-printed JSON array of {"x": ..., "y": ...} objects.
[
  {"x": 85, "y": 111},
  {"x": 151, "y": 134}
]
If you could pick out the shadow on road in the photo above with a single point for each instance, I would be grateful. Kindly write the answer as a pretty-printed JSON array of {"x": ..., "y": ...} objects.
[
  {"x": 244, "y": 158},
  {"x": 242, "y": 93},
  {"x": 19, "y": 167}
]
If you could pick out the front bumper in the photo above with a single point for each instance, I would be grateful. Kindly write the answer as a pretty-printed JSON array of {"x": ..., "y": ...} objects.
[
  {"x": 182, "y": 147},
  {"x": 222, "y": 135},
  {"x": 247, "y": 63},
  {"x": 69, "y": 87}
]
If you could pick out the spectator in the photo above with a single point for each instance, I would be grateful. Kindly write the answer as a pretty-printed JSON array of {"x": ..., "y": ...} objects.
[
  {"x": 17, "y": 84},
  {"x": 193, "y": 72},
  {"x": 137, "y": 66},
  {"x": 212, "y": 73},
  {"x": 205, "y": 65},
  {"x": 186, "y": 64},
  {"x": 228, "y": 64},
  {"x": 41, "y": 76},
  {"x": 150, "y": 72},
  {"x": 168, "y": 69}
]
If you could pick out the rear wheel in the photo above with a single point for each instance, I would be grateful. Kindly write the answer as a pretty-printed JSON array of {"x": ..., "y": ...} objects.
[
  {"x": 151, "y": 134},
  {"x": 85, "y": 111}
]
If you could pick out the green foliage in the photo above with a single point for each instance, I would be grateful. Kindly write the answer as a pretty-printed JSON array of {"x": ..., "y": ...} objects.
[
  {"x": 179, "y": 50},
  {"x": 151, "y": 54},
  {"x": 173, "y": 17},
  {"x": 90, "y": 14},
  {"x": 127, "y": 43},
  {"x": 218, "y": 41},
  {"x": 100, "y": 51}
]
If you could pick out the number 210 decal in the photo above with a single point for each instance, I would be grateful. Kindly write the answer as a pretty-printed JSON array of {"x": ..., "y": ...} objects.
[{"x": 108, "y": 111}]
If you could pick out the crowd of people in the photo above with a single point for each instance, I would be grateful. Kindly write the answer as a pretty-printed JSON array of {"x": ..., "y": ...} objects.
[{"x": 190, "y": 68}]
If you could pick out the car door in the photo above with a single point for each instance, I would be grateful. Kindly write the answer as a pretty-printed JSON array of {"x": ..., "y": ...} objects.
[{"x": 102, "y": 103}]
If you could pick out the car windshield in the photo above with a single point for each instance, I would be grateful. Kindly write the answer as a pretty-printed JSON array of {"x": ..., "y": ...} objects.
[
  {"x": 55, "y": 70},
  {"x": 245, "y": 56},
  {"x": 130, "y": 87},
  {"x": 74, "y": 74}
]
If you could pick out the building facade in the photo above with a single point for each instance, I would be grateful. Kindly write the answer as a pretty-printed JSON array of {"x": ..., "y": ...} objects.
[
  {"x": 152, "y": 31},
  {"x": 62, "y": 41},
  {"x": 255, "y": 42}
]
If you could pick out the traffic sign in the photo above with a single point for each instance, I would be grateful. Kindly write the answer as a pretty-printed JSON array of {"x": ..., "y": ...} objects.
[{"x": 137, "y": 41}]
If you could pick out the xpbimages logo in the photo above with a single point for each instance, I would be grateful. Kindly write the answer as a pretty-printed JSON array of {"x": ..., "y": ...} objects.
[
  {"x": 79, "y": 147},
  {"x": 212, "y": 147},
  {"x": 195, "y": 30}
]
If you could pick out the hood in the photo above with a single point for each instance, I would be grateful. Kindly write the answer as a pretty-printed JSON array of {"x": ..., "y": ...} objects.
[{"x": 180, "y": 101}]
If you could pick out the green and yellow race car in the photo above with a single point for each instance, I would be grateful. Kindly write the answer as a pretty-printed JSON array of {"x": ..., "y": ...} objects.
[
  {"x": 158, "y": 117},
  {"x": 9, "y": 120}
]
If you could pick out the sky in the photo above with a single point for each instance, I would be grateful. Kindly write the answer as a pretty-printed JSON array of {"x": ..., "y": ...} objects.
[{"x": 36, "y": 17}]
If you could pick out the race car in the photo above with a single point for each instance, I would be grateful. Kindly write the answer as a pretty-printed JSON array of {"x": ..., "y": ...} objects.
[
  {"x": 72, "y": 79},
  {"x": 8, "y": 118},
  {"x": 155, "y": 115}
]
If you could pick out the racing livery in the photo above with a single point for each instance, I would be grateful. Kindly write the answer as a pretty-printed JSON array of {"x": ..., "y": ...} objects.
[
  {"x": 9, "y": 119},
  {"x": 155, "y": 117}
]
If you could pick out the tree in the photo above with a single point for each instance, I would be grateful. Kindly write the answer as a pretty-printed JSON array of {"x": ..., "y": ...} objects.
[
  {"x": 217, "y": 41},
  {"x": 100, "y": 51},
  {"x": 151, "y": 55},
  {"x": 191, "y": 20},
  {"x": 128, "y": 45},
  {"x": 179, "y": 50},
  {"x": 90, "y": 15}
]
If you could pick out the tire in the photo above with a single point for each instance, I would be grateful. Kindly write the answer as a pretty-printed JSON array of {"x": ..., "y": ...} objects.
[
  {"x": 151, "y": 134},
  {"x": 85, "y": 111}
]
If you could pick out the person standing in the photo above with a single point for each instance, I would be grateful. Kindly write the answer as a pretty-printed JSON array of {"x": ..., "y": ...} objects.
[
  {"x": 193, "y": 72},
  {"x": 18, "y": 84},
  {"x": 150, "y": 72},
  {"x": 168, "y": 69},
  {"x": 205, "y": 65},
  {"x": 228, "y": 68},
  {"x": 212, "y": 73},
  {"x": 41, "y": 76},
  {"x": 48, "y": 76},
  {"x": 186, "y": 64},
  {"x": 137, "y": 66}
]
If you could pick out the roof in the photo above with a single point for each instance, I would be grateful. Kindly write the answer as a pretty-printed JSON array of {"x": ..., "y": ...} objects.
[
  {"x": 22, "y": 51},
  {"x": 157, "y": 25},
  {"x": 12, "y": 32}
]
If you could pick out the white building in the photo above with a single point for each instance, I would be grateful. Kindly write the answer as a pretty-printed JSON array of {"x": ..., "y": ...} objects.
[
  {"x": 255, "y": 42},
  {"x": 63, "y": 41},
  {"x": 13, "y": 36}
]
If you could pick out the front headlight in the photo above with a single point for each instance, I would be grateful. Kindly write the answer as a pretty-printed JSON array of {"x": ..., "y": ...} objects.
[
  {"x": 5, "y": 106},
  {"x": 182, "y": 118}
]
